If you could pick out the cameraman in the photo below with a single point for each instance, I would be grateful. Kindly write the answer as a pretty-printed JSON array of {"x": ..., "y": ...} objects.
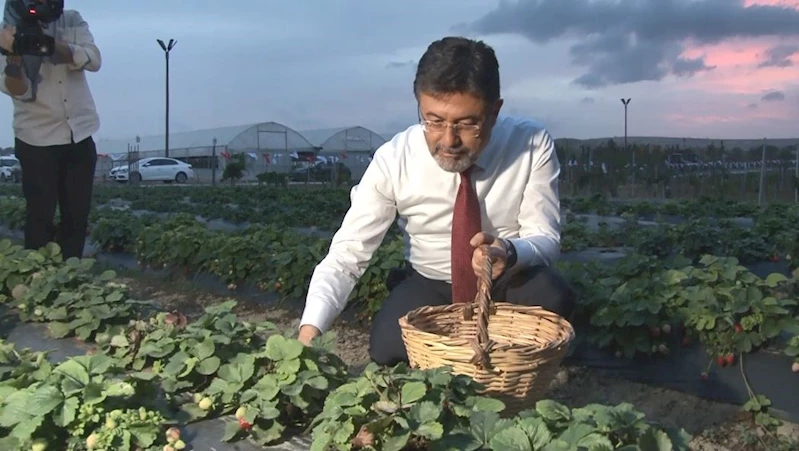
[{"x": 54, "y": 120}]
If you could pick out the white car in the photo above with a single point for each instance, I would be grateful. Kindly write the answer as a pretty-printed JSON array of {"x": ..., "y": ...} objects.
[
  {"x": 10, "y": 169},
  {"x": 153, "y": 169}
]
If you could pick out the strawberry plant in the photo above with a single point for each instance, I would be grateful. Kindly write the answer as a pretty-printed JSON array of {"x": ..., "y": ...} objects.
[
  {"x": 82, "y": 403},
  {"x": 186, "y": 355},
  {"x": 731, "y": 310},
  {"x": 117, "y": 231},
  {"x": 399, "y": 408},
  {"x": 73, "y": 300},
  {"x": 395, "y": 408},
  {"x": 627, "y": 307},
  {"x": 278, "y": 386}
]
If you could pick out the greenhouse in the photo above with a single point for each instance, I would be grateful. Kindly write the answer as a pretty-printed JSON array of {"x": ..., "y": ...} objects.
[
  {"x": 268, "y": 146},
  {"x": 352, "y": 146}
]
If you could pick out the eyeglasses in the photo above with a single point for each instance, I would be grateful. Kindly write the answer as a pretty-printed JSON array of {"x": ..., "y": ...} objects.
[{"x": 439, "y": 127}]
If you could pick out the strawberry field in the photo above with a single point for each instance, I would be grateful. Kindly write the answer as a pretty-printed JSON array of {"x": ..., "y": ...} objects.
[{"x": 697, "y": 296}]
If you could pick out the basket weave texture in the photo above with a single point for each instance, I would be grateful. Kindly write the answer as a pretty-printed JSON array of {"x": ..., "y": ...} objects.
[{"x": 513, "y": 351}]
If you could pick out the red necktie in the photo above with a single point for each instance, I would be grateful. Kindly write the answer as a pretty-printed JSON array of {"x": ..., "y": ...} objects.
[{"x": 466, "y": 223}]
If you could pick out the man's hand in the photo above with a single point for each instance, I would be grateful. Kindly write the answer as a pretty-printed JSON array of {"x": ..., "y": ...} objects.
[
  {"x": 7, "y": 38},
  {"x": 496, "y": 250},
  {"x": 308, "y": 333}
]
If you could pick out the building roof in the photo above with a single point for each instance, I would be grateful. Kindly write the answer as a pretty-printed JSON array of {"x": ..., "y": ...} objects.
[
  {"x": 343, "y": 139},
  {"x": 203, "y": 138}
]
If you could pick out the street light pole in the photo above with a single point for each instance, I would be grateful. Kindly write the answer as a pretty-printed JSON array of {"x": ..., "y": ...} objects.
[
  {"x": 167, "y": 47},
  {"x": 626, "y": 102}
]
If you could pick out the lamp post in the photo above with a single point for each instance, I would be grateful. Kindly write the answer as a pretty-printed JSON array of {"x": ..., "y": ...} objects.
[
  {"x": 213, "y": 163},
  {"x": 167, "y": 47},
  {"x": 626, "y": 102}
]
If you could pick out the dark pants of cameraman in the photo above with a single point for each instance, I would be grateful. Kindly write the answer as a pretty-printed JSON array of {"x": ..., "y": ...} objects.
[{"x": 57, "y": 175}]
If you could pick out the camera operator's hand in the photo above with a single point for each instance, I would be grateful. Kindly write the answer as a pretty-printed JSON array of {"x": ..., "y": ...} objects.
[{"x": 7, "y": 38}]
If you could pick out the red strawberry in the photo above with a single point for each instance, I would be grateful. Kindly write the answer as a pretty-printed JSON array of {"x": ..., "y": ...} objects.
[
  {"x": 729, "y": 359},
  {"x": 721, "y": 360},
  {"x": 703, "y": 376},
  {"x": 654, "y": 331},
  {"x": 738, "y": 328},
  {"x": 244, "y": 424}
]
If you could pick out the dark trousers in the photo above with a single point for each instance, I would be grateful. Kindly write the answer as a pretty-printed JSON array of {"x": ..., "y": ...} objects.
[
  {"x": 536, "y": 286},
  {"x": 57, "y": 175}
]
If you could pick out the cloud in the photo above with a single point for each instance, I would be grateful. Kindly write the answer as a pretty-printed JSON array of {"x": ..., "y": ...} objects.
[
  {"x": 627, "y": 41},
  {"x": 779, "y": 56},
  {"x": 587, "y": 100},
  {"x": 400, "y": 64},
  {"x": 774, "y": 96},
  {"x": 752, "y": 106}
]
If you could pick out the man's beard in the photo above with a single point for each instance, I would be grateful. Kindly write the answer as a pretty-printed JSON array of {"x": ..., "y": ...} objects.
[{"x": 461, "y": 158}]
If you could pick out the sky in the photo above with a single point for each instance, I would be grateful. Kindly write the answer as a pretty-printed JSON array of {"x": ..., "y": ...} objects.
[{"x": 693, "y": 68}]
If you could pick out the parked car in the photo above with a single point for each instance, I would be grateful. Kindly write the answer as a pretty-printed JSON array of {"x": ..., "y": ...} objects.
[
  {"x": 153, "y": 169},
  {"x": 10, "y": 169}
]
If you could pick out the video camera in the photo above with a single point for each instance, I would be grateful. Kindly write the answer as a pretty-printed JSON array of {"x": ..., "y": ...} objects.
[{"x": 32, "y": 17}]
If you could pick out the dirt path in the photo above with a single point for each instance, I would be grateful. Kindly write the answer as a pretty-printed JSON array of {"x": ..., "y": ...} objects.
[{"x": 715, "y": 426}]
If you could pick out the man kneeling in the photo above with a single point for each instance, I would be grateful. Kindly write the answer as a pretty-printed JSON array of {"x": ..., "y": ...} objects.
[{"x": 461, "y": 178}]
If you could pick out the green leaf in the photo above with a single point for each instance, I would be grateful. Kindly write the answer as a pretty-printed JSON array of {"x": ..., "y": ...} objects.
[
  {"x": 425, "y": 412},
  {"x": 654, "y": 440},
  {"x": 553, "y": 411},
  {"x": 536, "y": 430},
  {"x": 208, "y": 366},
  {"x": 431, "y": 430},
  {"x": 58, "y": 329},
  {"x": 232, "y": 429},
  {"x": 279, "y": 348},
  {"x": 488, "y": 404},
  {"x": 412, "y": 392},
  {"x": 44, "y": 400},
  {"x": 511, "y": 439},
  {"x": 66, "y": 413},
  {"x": 15, "y": 409},
  {"x": 397, "y": 442},
  {"x": 204, "y": 349},
  {"x": 774, "y": 279},
  {"x": 482, "y": 425}
]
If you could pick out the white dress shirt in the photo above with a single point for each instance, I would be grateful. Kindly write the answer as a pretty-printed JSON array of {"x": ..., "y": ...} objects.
[
  {"x": 516, "y": 180},
  {"x": 64, "y": 108}
]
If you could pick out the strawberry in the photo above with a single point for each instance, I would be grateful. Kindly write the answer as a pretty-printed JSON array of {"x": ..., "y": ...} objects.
[
  {"x": 686, "y": 341},
  {"x": 654, "y": 331},
  {"x": 729, "y": 359},
  {"x": 666, "y": 329},
  {"x": 795, "y": 367},
  {"x": 663, "y": 349},
  {"x": 703, "y": 376},
  {"x": 244, "y": 424},
  {"x": 721, "y": 361},
  {"x": 619, "y": 354},
  {"x": 738, "y": 328}
]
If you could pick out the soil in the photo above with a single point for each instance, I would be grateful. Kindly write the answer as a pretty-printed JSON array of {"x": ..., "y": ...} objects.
[{"x": 715, "y": 426}]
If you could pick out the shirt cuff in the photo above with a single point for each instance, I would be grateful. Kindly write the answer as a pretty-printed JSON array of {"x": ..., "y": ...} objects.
[
  {"x": 319, "y": 314},
  {"x": 80, "y": 57},
  {"x": 526, "y": 254}
]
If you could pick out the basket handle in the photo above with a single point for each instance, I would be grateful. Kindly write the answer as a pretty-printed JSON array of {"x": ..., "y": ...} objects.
[{"x": 482, "y": 345}]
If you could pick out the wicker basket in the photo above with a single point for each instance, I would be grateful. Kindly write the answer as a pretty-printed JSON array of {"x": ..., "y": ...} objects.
[{"x": 515, "y": 356}]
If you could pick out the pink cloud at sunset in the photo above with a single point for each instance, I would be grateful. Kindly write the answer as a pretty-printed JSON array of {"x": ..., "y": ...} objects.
[{"x": 784, "y": 3}]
